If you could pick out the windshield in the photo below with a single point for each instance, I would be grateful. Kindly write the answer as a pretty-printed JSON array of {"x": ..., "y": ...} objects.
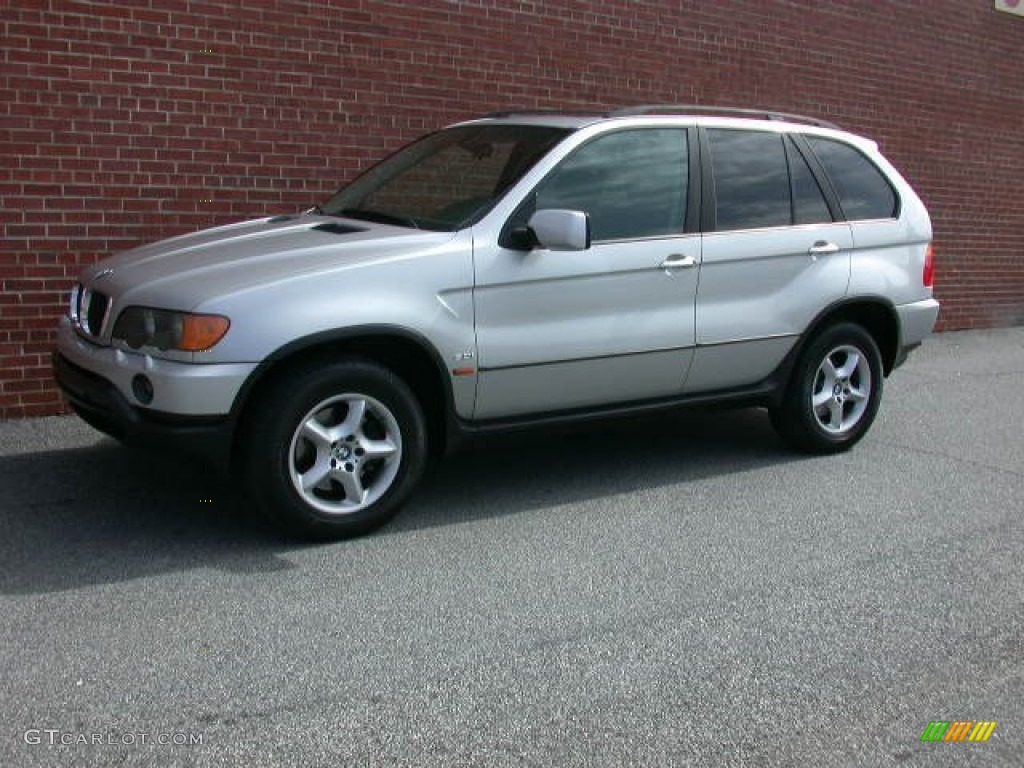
[{"x": 446, "y": 180}]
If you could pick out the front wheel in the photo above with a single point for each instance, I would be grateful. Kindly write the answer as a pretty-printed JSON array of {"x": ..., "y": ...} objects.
[
  {"x": 834, "y": 391},
  {"x": 335, "y": 450}
]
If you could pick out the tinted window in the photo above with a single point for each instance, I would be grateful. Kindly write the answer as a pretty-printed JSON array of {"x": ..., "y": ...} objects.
[
  {"x": 632, "y": 183},
  {"x": 446, "y": 180},
  {"x": 448, "y": 184},
  {"x": 751, "y": 179},
  {"x": 863, "y": 191},
  {"x": 809, "y": 206}
]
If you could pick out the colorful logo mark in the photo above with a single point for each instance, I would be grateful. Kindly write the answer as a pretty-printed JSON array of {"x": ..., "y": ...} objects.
[{"x": 959, "y": 730}]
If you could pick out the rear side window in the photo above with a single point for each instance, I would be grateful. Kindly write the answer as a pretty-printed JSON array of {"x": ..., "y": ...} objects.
[
  {"x": 864, "y": 193},
  {"x": 751, "y": 179}
]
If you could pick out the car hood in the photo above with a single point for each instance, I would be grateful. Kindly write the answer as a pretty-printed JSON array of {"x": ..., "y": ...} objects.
[{"x": 187, "y": 271}]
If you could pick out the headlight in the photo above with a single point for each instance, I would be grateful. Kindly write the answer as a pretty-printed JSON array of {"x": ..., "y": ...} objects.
[
  {"x": 76, "y": 296},
  {"x": 164, "y": 329}
]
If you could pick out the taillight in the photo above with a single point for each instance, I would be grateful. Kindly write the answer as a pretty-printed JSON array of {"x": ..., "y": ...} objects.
[{"x": 928, "y": 277}]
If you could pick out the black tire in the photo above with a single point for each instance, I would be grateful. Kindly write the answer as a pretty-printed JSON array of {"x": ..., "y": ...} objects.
[
  {"x": 847, "y": 404},
  {"x": 351, "y": 443}
]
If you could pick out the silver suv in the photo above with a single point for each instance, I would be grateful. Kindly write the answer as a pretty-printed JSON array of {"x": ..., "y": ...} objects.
[{"x": 523, "y": 268}]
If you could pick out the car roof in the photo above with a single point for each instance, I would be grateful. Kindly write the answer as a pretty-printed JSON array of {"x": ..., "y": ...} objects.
[
  {"x": 578, "y": 118},
  {"x": 549, "y": 119},
  {"x": 725, "y": 117}
]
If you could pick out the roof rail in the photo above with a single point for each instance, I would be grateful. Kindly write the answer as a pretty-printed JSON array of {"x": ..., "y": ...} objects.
[
  {"x": 763, "y": 114},
  {"x": 547, "y": 111}
]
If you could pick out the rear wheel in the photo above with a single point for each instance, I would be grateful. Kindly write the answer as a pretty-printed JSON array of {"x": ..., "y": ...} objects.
[
  {"x": 335, "y": 450},
  {"x": 834, "y": 392}
]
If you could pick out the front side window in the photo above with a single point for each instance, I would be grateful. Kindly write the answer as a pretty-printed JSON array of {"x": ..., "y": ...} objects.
[
  {"x": 632, "y": 184},
  {"x": 863, "y": 191},
  {"x": 751, "y": 179},
  {"x": 447, "y": 180}
]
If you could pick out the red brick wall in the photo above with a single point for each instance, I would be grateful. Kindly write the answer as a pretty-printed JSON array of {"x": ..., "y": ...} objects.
[{"x": 120, "y": 124}]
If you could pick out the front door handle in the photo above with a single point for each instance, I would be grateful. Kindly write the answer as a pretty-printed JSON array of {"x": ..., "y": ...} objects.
[
  {"x": 821, "y": 248},
  {"x": 678, "y": 261}
]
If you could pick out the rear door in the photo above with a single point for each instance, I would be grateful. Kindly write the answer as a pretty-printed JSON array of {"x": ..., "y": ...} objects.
[{"x": 775, "y": 253}]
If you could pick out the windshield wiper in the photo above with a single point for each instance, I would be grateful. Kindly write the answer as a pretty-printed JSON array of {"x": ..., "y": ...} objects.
[{"x": 378, "y": 216}]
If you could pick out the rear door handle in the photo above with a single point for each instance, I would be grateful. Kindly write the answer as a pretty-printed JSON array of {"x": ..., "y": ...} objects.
[
  {"x": 821, "y": 248},
  {"x": 678, "y": 261}
]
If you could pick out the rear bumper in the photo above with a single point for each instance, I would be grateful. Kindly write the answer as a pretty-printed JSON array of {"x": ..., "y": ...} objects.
[
  {"x": 917, "y": 321},
  {"x": 100, "y": 404}
]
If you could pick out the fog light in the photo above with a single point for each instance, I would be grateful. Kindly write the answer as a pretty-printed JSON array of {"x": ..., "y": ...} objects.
[{"x": 142, "y": 388}]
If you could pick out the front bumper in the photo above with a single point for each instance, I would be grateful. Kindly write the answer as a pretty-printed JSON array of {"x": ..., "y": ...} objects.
[
  {"x": 183, "y": 388},
  {"x": 191, "y": 403},
  {"x": 100, "y": 405}
]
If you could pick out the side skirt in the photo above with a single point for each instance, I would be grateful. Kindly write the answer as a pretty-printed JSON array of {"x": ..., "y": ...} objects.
[{"x": 763, "y": 394}]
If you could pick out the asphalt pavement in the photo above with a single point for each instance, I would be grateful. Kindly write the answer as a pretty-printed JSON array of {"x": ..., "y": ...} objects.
[{"x": 658, "y": 592}]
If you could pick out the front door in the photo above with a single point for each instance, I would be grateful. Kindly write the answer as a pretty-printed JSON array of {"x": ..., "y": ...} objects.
[{"x": 610, "y": 324}]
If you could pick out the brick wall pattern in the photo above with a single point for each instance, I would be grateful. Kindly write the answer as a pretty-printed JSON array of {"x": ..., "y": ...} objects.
[{"x": 122, "y": 123}]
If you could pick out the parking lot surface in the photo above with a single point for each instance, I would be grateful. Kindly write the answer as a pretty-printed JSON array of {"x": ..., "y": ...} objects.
[{"x": 673, "y": 591}]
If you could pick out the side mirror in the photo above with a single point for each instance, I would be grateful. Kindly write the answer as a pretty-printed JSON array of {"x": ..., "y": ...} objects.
[{"x": 561, "y": 230}]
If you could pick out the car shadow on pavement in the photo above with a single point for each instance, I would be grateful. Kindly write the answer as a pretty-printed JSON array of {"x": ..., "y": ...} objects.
[
  {"x": 106, "y": 514},
  {"x": 542, "y": 468}
]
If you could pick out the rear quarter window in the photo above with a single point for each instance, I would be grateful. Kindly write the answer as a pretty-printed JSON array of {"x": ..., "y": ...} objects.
[{"x": 864, "y": 192}]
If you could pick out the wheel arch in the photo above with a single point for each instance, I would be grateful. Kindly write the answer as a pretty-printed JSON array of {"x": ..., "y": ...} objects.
[
  {"x": 876, "y": 315},
  {"x": 403, "y": 351}
]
